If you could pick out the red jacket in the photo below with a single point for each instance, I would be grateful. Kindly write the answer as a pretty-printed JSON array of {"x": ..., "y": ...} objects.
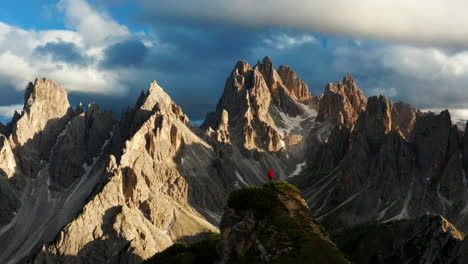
[{"x": 271, "y": 174}]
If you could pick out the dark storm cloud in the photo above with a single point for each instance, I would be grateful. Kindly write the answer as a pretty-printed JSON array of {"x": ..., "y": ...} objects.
[
  {"x": 190, "y": 63},
  {"x": 441, "y": 23},
  {"x": 9, "y": 94},
  {"x": 63, "y": 52},
  {"x": 129, "y": 53}
]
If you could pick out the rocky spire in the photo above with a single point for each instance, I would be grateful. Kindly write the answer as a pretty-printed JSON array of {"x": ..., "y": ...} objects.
[
  {"x": 252, "y": 96},
  {"x": 342, "y": 101},
  {"x": 247, "y": 100},
  {"x": 269, "y": 73},
  {"x": 46, "y": 111},
  {"x": 296, "y": 87}
]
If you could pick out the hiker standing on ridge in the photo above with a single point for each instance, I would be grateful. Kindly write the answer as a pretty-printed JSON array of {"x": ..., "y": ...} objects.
[{"x": 271, "y": 175}]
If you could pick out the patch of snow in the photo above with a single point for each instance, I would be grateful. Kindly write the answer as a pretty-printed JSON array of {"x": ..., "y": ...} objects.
[
  {"x": 404, "y": 211},
  {"x": 299, "y": 168},
  {"x": 291, "y": 123},
  {"x": 444, "y": 201},
  {"x": 182, "y": 160},
  {"x": 241, "y": 179},
  {"x": 384, "y": 211}
]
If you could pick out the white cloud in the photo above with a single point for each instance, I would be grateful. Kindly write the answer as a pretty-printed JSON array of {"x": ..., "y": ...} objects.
[
  {"x": 284, "y": 41},
  {"x": 426, "y": 62},
  {"x": 8, "y": 110},
  {"x": 20, "y": 64},
  {"x": 94, "y": 27},
  {"x": 424, "y": 77},
  {"x": 431, "y": 22}
]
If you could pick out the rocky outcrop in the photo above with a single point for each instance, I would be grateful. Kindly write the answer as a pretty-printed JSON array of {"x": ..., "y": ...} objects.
[
  {"x": 222, "y": 132},
  {"x": 273, "y": 224},
  {"x": 342, "y": 102}
]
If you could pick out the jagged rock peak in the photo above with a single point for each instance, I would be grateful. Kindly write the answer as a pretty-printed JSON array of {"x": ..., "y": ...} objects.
[
  {"x": 272, "y": 79},
  {"x": 241, "y": 67},
  {"x": 266, "y": 64},
  {"x": 296, "y": 87},
  {"x": 46, "y": 107},
  {"x": 43, "y": 90},
  {"x": 155, "y": 95},
  {"x": 342, "y": 101},
  {"x": 156, "y": 99}
]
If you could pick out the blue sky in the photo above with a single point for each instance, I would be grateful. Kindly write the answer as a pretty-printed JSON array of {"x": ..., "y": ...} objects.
[{"x": 107, "y": 51}]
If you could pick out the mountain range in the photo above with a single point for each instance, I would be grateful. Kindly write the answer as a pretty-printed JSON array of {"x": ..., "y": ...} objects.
[{"x": 79, "y": 185}]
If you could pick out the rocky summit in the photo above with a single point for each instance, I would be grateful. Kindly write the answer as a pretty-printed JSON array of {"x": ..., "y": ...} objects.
[{"x": 79, "y": 185}]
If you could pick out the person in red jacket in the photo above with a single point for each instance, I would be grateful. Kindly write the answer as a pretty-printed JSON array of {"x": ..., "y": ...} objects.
[{"x": 271, "y": 175}]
